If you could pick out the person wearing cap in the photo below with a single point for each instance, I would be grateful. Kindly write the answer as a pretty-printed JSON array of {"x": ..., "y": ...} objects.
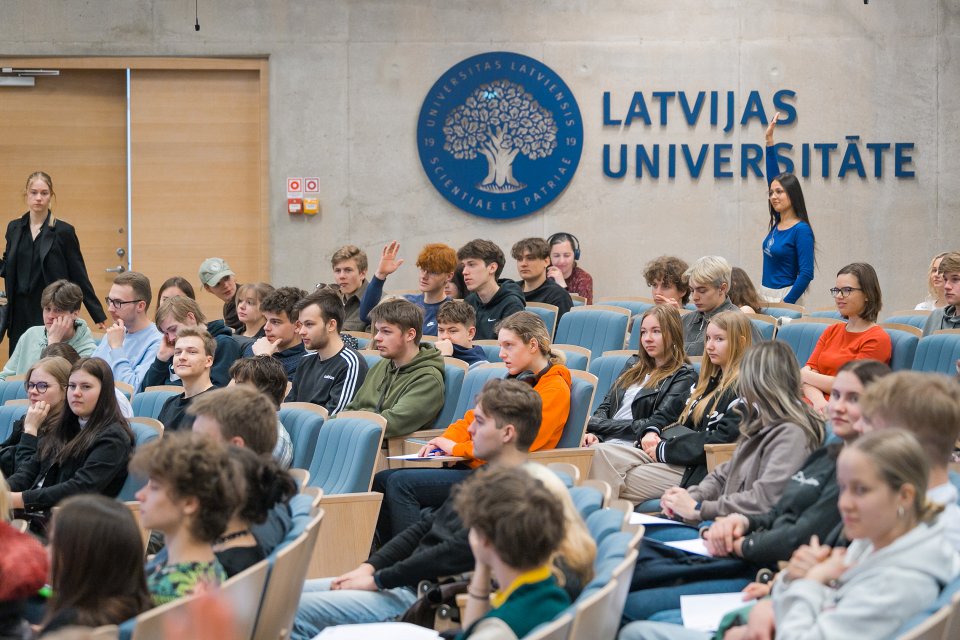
[{"x": 218, "y": 278}]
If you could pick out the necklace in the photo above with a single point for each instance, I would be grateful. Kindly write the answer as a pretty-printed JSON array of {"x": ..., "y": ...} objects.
[{"x": 231, "y": 536}]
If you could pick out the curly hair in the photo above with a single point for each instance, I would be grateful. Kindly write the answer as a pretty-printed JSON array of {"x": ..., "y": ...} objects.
[
  {"x": 190, "y": 465},
  {"x": 283, "y": 300},
  {"x": 668, "y": 270}
]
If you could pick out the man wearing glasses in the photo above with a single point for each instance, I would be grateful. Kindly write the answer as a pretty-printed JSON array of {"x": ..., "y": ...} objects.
[{"x": 131, "y": 343}]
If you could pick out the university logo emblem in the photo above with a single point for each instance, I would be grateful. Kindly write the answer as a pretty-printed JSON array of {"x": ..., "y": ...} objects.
[{"x": 500, "y": 135}]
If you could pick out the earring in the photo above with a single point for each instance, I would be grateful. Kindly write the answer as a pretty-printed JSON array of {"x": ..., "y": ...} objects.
[{"x": 900, "y": 512}]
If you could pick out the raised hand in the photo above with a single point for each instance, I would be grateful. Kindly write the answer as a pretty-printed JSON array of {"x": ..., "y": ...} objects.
[
  {"x": 389, "y": 262},
  {"x": 770, "y": 127}
]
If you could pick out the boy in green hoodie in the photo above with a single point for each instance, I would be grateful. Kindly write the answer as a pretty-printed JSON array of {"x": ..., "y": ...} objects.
[{"x": 406, "y": 386}]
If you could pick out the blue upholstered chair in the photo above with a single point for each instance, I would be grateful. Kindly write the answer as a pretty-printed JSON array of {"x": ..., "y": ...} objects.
[
  {"x": 802, "y": 336},
  {"x": 547, "y": 312},
  {"x": 372, "y": 357},
  {"x": 12, "y": 390},
  {"x": 938, "y": 353},
  {"x": 783, "y": 310},
  {"x": 607, "y": 368},
  {"x": 491, "y": 349},
  {"x": 304, "y": 425},
  {"x": 346, "y": 452},
  {"x": 913, "y": 318},
  {"x": 603, "y": 522},
  {"x": 454, "y": 372},
  {"x": 473, "y": 383},
  {"x": 148, "y": 404},
  {"x": 597, "y": 327},
  {"x": 143, "y": 433},
  {"x": 582, "y": 388},
  {"x": 577, "y": 357},
  {"x": 637, "y": 305},
  {"x": 586, "y": 499},
  {"x": 766, "y": 325},
  {"x": 826, "y": 313},
  {"x": 10, "y": 413},
  {"x": 904, "y": 340}
]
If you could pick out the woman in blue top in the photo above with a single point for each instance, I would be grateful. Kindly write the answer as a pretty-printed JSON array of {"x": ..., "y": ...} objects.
[{"x": 788, "y": 248}]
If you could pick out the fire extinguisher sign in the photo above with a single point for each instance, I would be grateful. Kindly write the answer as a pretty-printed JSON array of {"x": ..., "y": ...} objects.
[
  {"x": 294, "y": 195},
  {"x": 295, "y": 185}
]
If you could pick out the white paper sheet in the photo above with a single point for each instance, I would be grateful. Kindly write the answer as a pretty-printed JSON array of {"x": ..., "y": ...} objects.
[
  {"x": 691, "y": 546},
  {"x": 392, "y": 630},
  {"x": 704, "y": 612},
  {"x": 413, "y": 456},
  {"x": 647, "y": 520}
]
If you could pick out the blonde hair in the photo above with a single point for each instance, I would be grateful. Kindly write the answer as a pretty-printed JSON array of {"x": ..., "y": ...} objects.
[
  {"x": 930, "y": 288},
  {"x": 578, "y": 549},
  {"x": 674, "y": 355},
  {"x": 900, "y": 460},
  {"x": 740, "y": 336},
  {"x": 709, "y": 270},
  {"x": 770, "y": 388},
  {"x": 40, "y": 175},
  {"x": 5, "y": 508},
  {"x": 529, "y": 327}
]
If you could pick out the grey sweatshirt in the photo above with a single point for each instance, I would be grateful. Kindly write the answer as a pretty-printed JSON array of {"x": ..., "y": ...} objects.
[{"x": 879, "y": 592}]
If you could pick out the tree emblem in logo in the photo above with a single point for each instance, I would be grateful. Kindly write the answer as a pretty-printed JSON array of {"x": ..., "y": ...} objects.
[{"x": 500, "y": 120}]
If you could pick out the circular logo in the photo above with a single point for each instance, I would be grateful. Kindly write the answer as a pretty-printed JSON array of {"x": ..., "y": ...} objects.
[{"x": 500, "y": 135}]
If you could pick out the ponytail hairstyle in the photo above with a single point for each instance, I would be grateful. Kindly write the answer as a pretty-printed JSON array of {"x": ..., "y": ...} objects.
[
  {"x": 675, "y": 357},
  {"x": 770, "y": 388},
  {"x": 740, "y": 336},
  {"x": 529, "y": 327},
  {"x": 263, "y": 481},
  {"x": 900, "y": 460}
]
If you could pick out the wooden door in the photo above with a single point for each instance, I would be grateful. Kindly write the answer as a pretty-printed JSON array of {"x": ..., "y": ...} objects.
[
  {"x": 196, "y": 152},
  {"x": 73, "y": 127}
]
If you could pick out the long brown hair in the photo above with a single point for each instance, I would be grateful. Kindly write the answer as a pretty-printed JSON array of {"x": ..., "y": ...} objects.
[
  {"x": 59, "y": 368},
  {"x": 740, "y": 336},
  {"x": 97, "y": 562},
  {"x": 742, "y": 291},
  {"x": 675, "y": 357}
]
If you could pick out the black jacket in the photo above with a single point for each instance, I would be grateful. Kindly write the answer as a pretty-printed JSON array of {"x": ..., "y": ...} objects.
[
  {"x": 657, "y": 407},
  {"x": 60, "y": 258},
  {"x": 549, "y": 293},
  {"x": 102, "y": 469},
  {"x": 720, "y": 424},
  {"x": 807, "y": 507},
  {"x": 505, "y": 302}
]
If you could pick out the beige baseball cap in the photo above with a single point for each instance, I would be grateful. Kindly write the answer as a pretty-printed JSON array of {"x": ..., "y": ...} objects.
[{"x": 213, "y": 270}]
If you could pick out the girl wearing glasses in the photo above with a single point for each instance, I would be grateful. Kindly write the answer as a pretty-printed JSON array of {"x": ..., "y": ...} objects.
[
  {"x": 788, "y": 249},
  {"x": 41, "y": 249},
  {"x": 85, "y": 451},
  {"x": 858, "y": 299},
  {"x": 46, "y": 386}
]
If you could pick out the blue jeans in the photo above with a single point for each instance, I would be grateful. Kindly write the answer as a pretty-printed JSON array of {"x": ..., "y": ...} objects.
[
  {"x": 407, "y": 491},
  {"x": 320, "y": 608},
  {"x": 660, "y": 631},
  {"x": 671, "y": 533},
  {"x": 641, "y": 605}
]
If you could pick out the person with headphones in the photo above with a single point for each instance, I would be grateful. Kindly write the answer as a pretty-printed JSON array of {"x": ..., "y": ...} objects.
[
  {"x": 526, "y": 351},
  {"x": 564, "y": 254}
]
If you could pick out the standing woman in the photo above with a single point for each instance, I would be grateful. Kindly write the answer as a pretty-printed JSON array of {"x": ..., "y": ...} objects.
[
  {"x": 564, "y": 253},
  {"x": 788, "y": 249},
  {"x": 41, "y": 249}
]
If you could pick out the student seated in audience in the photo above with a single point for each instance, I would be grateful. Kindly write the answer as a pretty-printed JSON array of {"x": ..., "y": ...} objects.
[
  {"x": 741, "y": 545},
  {"x": 675, "y": 453},
  {"x": 456, "y": 327},
  {"x": 526, "y": 351},
  {"x": 24, "y": 567},
  {"x": 648, "y": 397},
  {"x": 406, "y": 386},
  {"x": 778, "y": 433},
  {"x": 179, "y": 313},
  {"x": 86, "y": 452},
  {"x": 508, "y": 419},
  {"x": 564, "y": 270},
  {"x": 934, "y": 299},
  {"x": 436, "y": 264},
  {"x": 857, "y": 294},
  {"x": 533, "y": 259},
  {"x": 189, "y": 498},
  {"x": 742, "y": 292},
  {"x": 516, "y": 524},
  {"x": 175, "y": 286},
  {"x": 192, "y": 359},
  {"x": 46, "y": 383},
  {"x": 709, "y": 283},
  {"x": 96, "y": 565},
  {"x": 893, "y": 569},
  {"x": 61, "y": 302},
  {"x": 350, "y": 274},
  {"x": 261, "y": 484},
  {"x": 493, "y": 299},
  {"x": 332, "y": 376},
  {"x": 280, "y": 339},
  {"x": 131, "y": 343},
  {"x": 947, "y": 316},
  {"x": 218, "y": 278},
  {"x": 68, "y": 353},
  {"x": 248, "y": 299},
  {"x": 455, "y": 289},
  {"x": 266, "y": 374},
  {"x": 664, "y": 276}
]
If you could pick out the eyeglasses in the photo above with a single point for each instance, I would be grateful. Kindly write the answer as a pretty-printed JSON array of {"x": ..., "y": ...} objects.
[
  {"x": 843, "y": 292},
  {"x": 775, "y": 192},
  {"x": 119, "y": 303},
  {"x": 41, "y": 387}
]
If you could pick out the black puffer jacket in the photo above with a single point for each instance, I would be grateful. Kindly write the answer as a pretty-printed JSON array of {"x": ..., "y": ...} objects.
[{"x": 652, "y": 407}]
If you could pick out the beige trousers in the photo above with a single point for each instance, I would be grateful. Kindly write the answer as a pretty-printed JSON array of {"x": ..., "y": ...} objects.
[{"x": 631, "y": 473}]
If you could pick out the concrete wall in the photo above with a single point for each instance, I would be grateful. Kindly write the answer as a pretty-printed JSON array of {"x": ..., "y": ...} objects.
[{"x": 348, "y": 78}]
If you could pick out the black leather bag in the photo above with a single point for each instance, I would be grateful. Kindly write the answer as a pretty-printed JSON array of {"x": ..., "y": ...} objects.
[{"x": 435, "y": 599}]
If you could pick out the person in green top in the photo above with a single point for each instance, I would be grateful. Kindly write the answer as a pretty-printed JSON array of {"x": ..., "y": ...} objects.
[
  {"x": 516, "y": 525},
  {"x": 406, "y": 386},
  {"x": 188, "y": 497}
]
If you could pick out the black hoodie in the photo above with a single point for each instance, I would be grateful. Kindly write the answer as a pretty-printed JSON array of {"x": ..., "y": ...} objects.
[{"x": 505, "y": 302}]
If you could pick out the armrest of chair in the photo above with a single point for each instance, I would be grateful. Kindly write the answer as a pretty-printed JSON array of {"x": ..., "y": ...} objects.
[
  {"x": 718, "y": 454},
  {"x": 398, "y": 445},
  {"x": 580, "y": 457},
  {"x": 346, "y": 533}
]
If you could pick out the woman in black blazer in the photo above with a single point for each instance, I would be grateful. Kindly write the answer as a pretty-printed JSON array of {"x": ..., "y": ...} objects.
[{"x": 41, "y": 249}]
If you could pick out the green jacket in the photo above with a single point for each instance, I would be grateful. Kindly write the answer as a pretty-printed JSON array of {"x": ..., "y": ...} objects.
[
  {"x": 34, "y": 341},
  {"x": 409, "y": 397}
]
